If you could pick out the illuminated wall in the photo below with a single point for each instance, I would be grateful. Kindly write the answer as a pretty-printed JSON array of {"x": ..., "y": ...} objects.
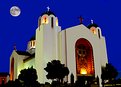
[
  {"x": 84, "y": 58},
  {"x": 29, "y": 63}
]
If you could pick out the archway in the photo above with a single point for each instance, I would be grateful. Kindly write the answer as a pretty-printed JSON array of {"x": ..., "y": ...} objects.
[
  {"x": 84, "y": 58},
  {"x": 12, "y": 70}
]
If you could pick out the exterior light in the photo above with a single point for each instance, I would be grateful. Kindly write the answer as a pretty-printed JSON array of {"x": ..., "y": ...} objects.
[
  {"x": 83, "y": 71},
  {"x": 45, "y": 20}
]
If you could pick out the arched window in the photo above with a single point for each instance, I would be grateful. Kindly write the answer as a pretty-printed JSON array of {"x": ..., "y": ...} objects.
[
  {"x": 33, "y": 43},
  {"x": 84, "y": 57},
  {"x": 45, "y": 20},
  {"x": 52, "y": 22},
  {"x": 93, "y": 29},
  {"x": 99, "y": 33}
]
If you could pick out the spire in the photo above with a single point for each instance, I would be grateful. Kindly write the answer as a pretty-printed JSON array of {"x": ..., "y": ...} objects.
[
  {"x": 92, "y": 21},
  {"x": 81, "y": 19},
  {"x": 14, "y": 46},
  {"x": 48, "y": 8}
]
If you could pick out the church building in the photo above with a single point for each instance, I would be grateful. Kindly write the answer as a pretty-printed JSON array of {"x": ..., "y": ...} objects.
[{"x": 81, "y": 48}]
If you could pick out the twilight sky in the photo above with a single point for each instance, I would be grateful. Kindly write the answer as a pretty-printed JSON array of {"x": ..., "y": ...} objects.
[{"x": 105, "y": 13}]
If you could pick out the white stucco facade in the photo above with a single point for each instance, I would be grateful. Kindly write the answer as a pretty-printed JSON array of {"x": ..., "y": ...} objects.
[
  {"x": 52, "y": 43},
  {"x": 98, "y": 44}
]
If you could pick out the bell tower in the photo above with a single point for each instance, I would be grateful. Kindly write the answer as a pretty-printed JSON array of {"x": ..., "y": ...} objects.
[
  {"x": 48, "y": 18},
  {"x": 46, "y": 42}
]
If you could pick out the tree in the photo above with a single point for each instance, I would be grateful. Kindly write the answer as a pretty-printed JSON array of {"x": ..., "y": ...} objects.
[
  {"x": 109, "y": 72},
  {"x": 56, "y": 70},
  {"x": 28, "y": 77}
]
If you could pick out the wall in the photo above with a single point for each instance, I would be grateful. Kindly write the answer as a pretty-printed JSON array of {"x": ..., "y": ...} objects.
[{"x": 30, "y": 63}]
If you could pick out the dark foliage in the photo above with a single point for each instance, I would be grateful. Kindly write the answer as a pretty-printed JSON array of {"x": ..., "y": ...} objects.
[
  {"x": 28, "y": 77},
  {"x": 109, "y": 72},
  {"x": 15, "y": 83},
  {"x": 56, "y": 70}
]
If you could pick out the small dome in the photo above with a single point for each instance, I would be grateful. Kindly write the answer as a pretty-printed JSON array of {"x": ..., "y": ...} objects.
[
  {"x": 32, "y": 38},
  {"x": 92, "y": 25},
  {"x": 48, "y": 13}
]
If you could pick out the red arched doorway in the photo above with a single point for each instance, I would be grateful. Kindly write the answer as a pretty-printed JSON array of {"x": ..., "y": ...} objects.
[
  {"x": 84, "y": 58},
  {"x": 12, "y": 70}
]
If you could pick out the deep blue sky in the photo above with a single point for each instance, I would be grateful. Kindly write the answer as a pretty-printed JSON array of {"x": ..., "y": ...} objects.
[{"x": 105, "y": 13}]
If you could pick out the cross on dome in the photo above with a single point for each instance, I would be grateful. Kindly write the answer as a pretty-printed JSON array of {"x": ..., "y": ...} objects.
[
  {"x": 48, "y": 8},
  {"x": 92, "y": 21},
  {"x": 81, "y": 19},
  {"x": 14, "y": 46}
]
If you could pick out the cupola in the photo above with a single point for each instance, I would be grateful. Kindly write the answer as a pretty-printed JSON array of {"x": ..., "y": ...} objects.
[
  {"x": 31, "y": 45},
  {"x": 48, "y": 17},
  {"x": 95, "y": 29}
]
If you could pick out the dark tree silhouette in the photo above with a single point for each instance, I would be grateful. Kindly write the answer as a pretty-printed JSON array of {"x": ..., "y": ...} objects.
[
  {"x": 10, "y": 84},
  {"x": 28, "y": 77},
  {"x": 56, "y": 70},
  {"x": 72, "y": 78},
  {"x": 15, "y": 83},
  {"x": 109, "y": 72}
]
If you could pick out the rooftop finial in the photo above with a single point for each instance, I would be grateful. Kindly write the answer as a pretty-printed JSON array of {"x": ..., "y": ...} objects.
[
  {"x": 92, "y": 21},
  {"x": 81, "y": 19},
  {"x": 14, "y": 46},
  {"x": 48, "y": 8}
]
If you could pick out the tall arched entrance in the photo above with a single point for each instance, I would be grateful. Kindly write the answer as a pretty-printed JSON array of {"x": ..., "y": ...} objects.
[
  {"x": 84, "y": 58},
  {"x": 12, "y": 70}
]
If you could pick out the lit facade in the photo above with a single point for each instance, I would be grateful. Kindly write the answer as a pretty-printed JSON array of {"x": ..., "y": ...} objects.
[{"x": 82, "y": 49}]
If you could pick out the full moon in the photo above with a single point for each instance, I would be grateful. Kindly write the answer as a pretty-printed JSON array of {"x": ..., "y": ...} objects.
[{"x": 15, "y": 11}]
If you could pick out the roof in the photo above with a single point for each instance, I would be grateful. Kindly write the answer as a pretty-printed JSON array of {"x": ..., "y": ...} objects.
[
  {"x": 48, "y": 13},
  {"x": 92, "y": 25},
  {"x": 30, "y": 57},
  {"x": 32, "y": 38},
  {"x": 4, "y": 73},
  {"x": 23, "y": 53}
]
